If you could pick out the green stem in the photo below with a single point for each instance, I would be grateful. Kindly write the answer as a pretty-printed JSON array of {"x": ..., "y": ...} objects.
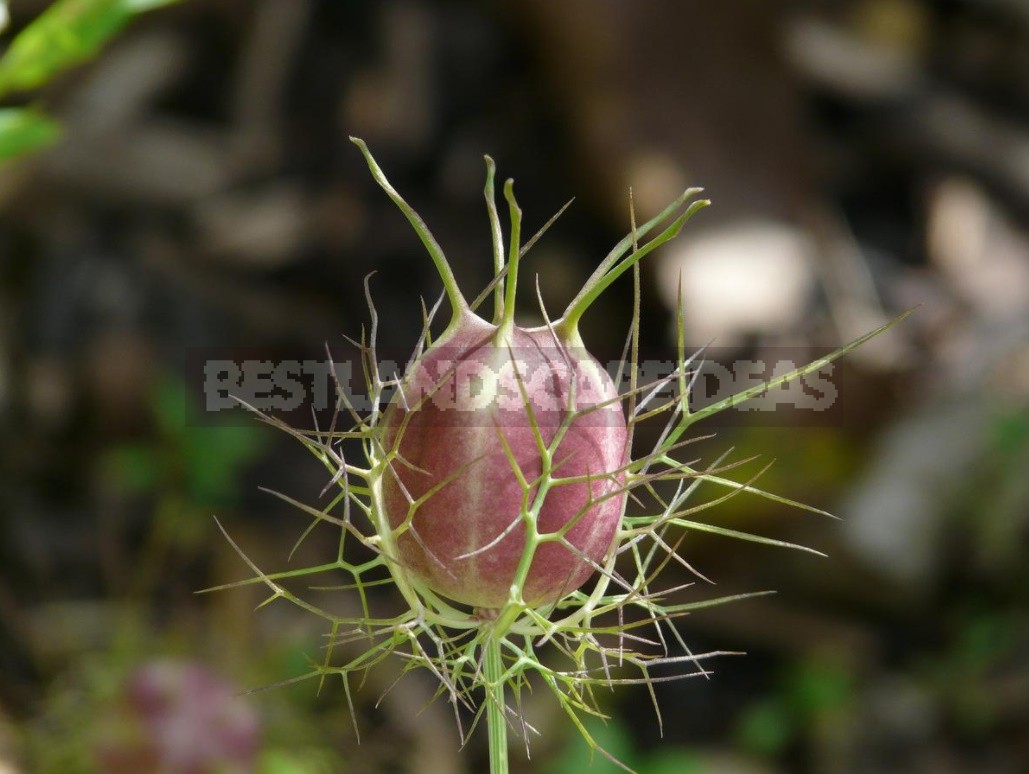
[
  {"x": 514, "y": 253},
  {"x": 596, "y": 285},
  {"x": 495, "y": 721},
  {"x": 629, "y": 242},
  {"x": 458, "y": 304},
  {"x": 498, "y": 241}
]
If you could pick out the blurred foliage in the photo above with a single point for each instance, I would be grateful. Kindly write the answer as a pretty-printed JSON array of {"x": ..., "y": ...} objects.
[
  {"x": 997, "y": 523},
  {"x": 971, "y": 669},
  {"x": 202, "y": 463},
  {"x": 809, "y": 692},
  {"x": 67, "y": 34},
  {"x": 183, "y": 470},
  {"x": 616, "y": 739},
  {"x": 83, "y": 706},
  {"x": 23, "y": 130}
]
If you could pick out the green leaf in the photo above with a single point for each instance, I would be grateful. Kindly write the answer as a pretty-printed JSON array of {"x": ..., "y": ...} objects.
[
  {"x": 66, "y": 34},
  {"x": 766, "y": 728},
  {"x": 141, "y": 6},
  {"x": 817, "y": 688},
  {"x": 211, "y": 456},
  {"x": 168, "y": 401},
  {"x": 278, "y": 761},
  {"x": 24, "y": 130},
  {"x": 132, "y": 467},
  {"x": 577, "y": 758},
  {"x": 214, "y": 458},
  {"x": 675, "y": 762}
]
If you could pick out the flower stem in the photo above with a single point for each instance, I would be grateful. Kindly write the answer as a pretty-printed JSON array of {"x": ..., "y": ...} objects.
[{"x": 495, "y": 720}]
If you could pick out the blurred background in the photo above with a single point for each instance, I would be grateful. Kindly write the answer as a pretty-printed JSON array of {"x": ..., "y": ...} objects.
[{"x": 863, "y": 157}]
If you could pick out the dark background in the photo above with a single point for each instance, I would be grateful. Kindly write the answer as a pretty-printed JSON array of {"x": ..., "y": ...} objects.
[{"x": 863, "y": 157}]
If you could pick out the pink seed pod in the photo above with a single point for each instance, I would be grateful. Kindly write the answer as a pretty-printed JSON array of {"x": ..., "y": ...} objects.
[
  {"x": 495, "y": 489},
  {"x": 501, "y": 464},
  {"x": 498, "y": 433}
]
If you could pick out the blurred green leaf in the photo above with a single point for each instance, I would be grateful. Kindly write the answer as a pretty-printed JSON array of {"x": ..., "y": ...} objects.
[
  {"x": 23, "y": 130},
  {"x": 141, "y": 6},
  {"x": 168, "y": 399},
  {"x": 817, "y": 687},
  {"x": 201, "y": 463},
  {"x": 579, "y": 759},
  {"x": 1011, "y": 432},
  {"x": 66, "y": 34},
  {"x": 674, "y": 762},
  {"x": 211, "y": 456},
  {"x": 132, "y": 467},
  {"x": 766, "y": 728},
  {"x": 277, "y": 761},
  {"x": 985, "y": 639},
  {"x": 810, "y": 690}
]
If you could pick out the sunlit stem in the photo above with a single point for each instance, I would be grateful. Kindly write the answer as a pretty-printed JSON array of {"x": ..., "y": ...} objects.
[{"x": 495, "y": 722}]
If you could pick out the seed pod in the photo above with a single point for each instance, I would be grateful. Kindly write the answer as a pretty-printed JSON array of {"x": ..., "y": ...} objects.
[
  {"x": 497, "y": 478},
  {"x": 499, "y": 435}
]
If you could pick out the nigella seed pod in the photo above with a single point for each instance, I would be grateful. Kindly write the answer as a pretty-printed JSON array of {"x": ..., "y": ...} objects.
[
  {"x": 495, "y": 488},
  {"x": 498, "y": 433}
]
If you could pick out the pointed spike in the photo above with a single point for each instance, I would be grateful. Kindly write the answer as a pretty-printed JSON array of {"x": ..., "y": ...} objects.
[
  {"x": 546, "y": 226},
  {"x": 771, "y": 384}
]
